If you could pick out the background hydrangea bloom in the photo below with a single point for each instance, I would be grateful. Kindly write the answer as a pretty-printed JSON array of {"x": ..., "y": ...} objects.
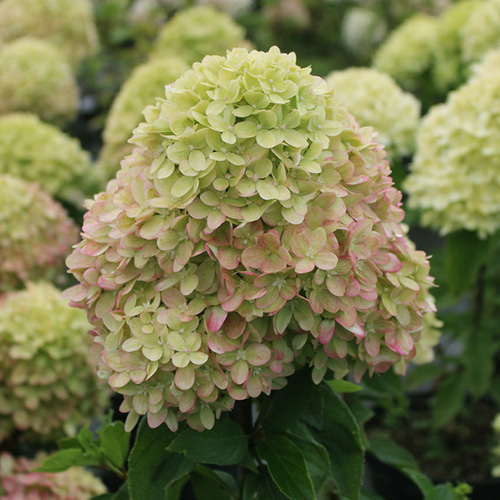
[
  {"x": 69, "y": 24},
  {"x": 145, "y": 84},
  {"x": 47, "y": 378},
  {"x": 35, "y": 77},
  {"x": 18, "y": 481},
  {"x": 255, "y": 229},
  {"x": 489, "y": 64},
  {"x": 39, "y": 152},
  {"x": 193, "y": 33},
  {"x": 449, "y": 67},
  {"x": 375, "y": 100},
  {"x": 408, "y": 51},
  {"x": 454, "y": 179},
  {"x": 482, "y": 31},
  {"x": 35, "y": 234},
  {"x": 362, "y": 30}
]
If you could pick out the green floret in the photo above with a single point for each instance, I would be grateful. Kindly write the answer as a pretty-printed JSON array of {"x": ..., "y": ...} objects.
[
  {"x": 197, "y": 32},
  {"x": 39, "y": 152},
  {"x": 69, "y": 24},
  {"x": 35, "y": 77},
  {"x": 375, "y": 100},
  {"x": 35, "y": 234},
  {"x": 408, "y": 52},
  {"x": 47, "y": 380},
  {"x": 146, "y": 83}
]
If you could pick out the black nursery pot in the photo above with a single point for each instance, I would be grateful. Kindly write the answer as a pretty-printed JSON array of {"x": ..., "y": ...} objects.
[{"x": 392, "y": 484}]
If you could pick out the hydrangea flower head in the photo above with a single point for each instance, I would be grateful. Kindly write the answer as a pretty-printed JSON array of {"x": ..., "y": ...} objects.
[
  {"x": 362, "y": 30},
  {"x": 69, "y": 24},
  {"x": 35, "y": 234},
  {"x": 394, "y": 114},
  {"x": 449, "y": 66},
  {"x": 481, "y": 33},
  {"x": 490, "y": 63},
  {"x": 407, "y": 54},
  {"x": 35, "y": 77},
  {"x": 18, "y": 481},
  {"x": 195, "y": 32},
  {"x": 454, "y": 177},
  {"x": 41, "y": 153},
  {"x": 141, "y": 89},
  {"x": 47, "y": 378},
  {"x": 255, "y": 229}
]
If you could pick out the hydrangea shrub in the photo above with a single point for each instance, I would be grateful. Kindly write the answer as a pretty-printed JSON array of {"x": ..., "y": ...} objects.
[
  {"x": 145, "y": 84},
  {"x": 254, "y": 230},
  {"x": 69, "y": 24},
  {"x": 394, "y": 114},
  {"x": 40, "y": 152},
  {"x": 35, "y": 77},
  {"x": 48, "y": 383},
  {"x": 35, "y": 234},
  {"x": 454, "y": 176},
  {"x": 408, "y": 52},
  {"x": 19, "y": 481},
  {"x": 198, "y": 31}
]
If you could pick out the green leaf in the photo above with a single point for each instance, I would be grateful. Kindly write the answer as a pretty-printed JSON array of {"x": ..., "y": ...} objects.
[
  {"x": 225, "y": 444},
  {"x": 213, "y": 485},
  {"x": 389, "y": 452},
  {"x": 87, "y": 441},
  {"x": 174, "y": 490},
  {"x": 313, "y": 415},
  {"x": 315, "y": 455},
  {"x": 449, "y": 398},
  {"x": 465, "y": 254},
  {"x": 287, "y": 405},
  {"x": 122, "y": 493},
  {"x": 115, "y": 443},
  {"x": 341, "y": 436},
  {"x": 64, "y": 459},
  {"x": 287, "y": 467},
  {"x": 261, "y": 487},
  {"x": 106, "y": 496},
  {"x": 479, "y": 356},
  {"x": 344, "y": 386},
  {"x": 419, "y": 375},
  {"x": 151, "y": 468}
]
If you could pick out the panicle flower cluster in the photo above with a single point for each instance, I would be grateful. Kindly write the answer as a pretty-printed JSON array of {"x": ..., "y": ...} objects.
[
  {"x": 69, "y": 24},
  {"x": 41, "y": 153},
  {"x": 199, "y": 31},
  {"x": 48, "y": 384},
  {"x": 362, "y": 30},
  {"x": 141, "y": 89},
  {"x": 408, "y": 52},
  {"x": 449, "y": 66},
  {"x": 375, "y": 100},
  {"x": 18, "y": 481},
  {"x": 35, "y": 77},
  {"x": 35, "y": 234},
  {"x": 255, "y": 229},
  {"x": 454, "y": 180},
  {"x": 482, "y": 31}
]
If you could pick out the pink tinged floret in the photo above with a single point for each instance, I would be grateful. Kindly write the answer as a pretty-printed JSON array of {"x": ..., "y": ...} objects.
[{"x": 215, "y": 318}]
